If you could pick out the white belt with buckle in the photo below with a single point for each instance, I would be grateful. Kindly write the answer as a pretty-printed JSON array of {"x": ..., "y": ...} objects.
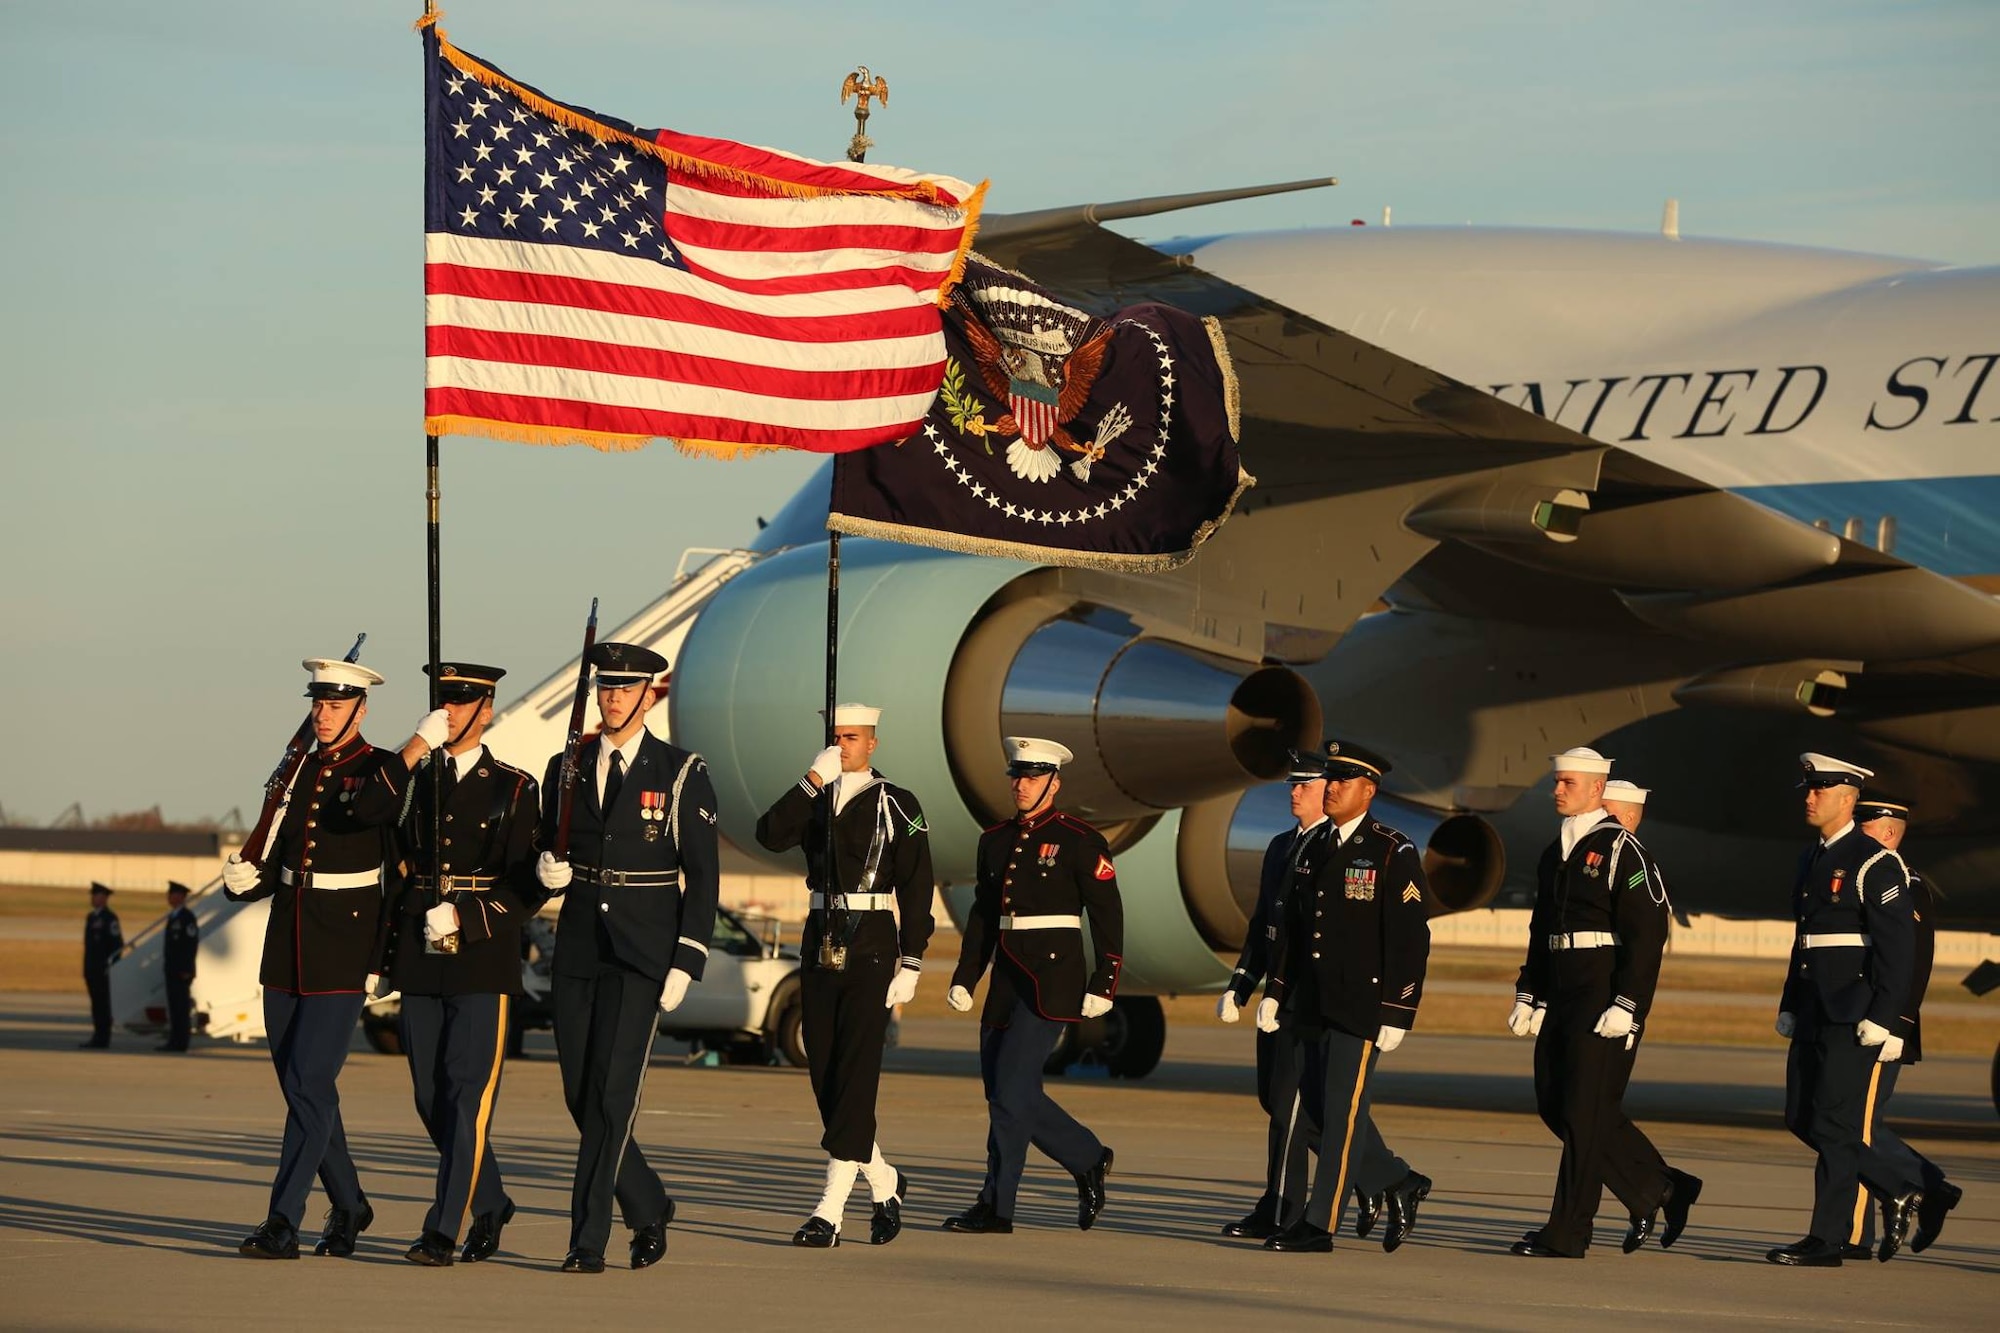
[
  {"x": 458, "y": 883},
  {"x": 1834, "y": 941},
  {"x": 1583, "y": 939},
  {"x": 1041, "y": 923},
  {"x": 856, "y": 902},
  {"x": 320, "y": 879},
  {"x": 629, "y": 879}
]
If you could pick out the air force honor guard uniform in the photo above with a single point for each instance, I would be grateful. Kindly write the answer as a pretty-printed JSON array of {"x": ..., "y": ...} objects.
[
  {"x": 455, "y": 954},
  {"x": 180, "y": 943},
  {"x": 103, "y": 941},
  {"x": 1849, "y": 984},
  {"x": 1040, "y": 874},
  {"x": 1910, "y": 1186},
  {"x": 323, "y": 872},
  {"x": 859, "y": 960},
  {"x": 1347, "y": 969},
  {"x": 632, "y": 937},
  {"x": 1280, "y": 1054},
  {"x": 1595, "y": 940}
]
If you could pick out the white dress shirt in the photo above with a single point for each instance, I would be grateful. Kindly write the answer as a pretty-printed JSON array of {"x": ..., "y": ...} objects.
[
  {"x": 1577, "y": 825},
  {"x": 605, "y": 749},
  {"x": 1845, "y": 829},
  {"x": 1346, "y": 831}
]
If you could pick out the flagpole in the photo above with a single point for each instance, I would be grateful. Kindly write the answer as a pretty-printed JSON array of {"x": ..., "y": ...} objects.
[{"x": 432, "y": 546}]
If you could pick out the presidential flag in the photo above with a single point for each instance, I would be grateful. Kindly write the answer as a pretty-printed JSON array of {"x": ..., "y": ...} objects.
[
  {"x": 1058, "y": 436},
  {"x": 589, "y": 282}
]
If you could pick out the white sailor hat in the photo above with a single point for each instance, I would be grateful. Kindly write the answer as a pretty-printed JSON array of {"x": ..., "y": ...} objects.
[
  {"x": 1028, "y": 756},
  {"x": 855, "y": 715},
  {"x": 334, "y": 679},
  {"x": 1582, "y": 759},
  {"x": 1618, "y": 789},
  {"x": 1823, "y": 770}
]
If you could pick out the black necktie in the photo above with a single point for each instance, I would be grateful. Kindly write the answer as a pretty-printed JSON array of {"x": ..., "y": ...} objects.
[
  {"x": 449, "y": 777},
  {"x": 615, "y": 780}
]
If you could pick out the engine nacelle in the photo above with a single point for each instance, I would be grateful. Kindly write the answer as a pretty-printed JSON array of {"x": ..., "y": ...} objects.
[
  {"x": 1808, "y": 687},
  {"x": 1221, "y": 857}
]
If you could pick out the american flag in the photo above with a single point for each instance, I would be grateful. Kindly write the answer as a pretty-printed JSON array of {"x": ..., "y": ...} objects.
[{"x": 589, "y": 282}]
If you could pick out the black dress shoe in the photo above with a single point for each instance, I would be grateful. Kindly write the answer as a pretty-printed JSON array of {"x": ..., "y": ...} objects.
[
  {"x": 432, "y": 1250},
  {"x": 1367, "y": 1209},
  {"x": 1534, "y": 1249},
  {"x": 1301, "y": 1237},
  {"x": 583, "y": 1261},
  {"x": 1858, "y": 1253},
  {"x": 1812, "y": 1252},
  {"x": 887, "y": 1223},
  {"x": 1898, "y": 1216},
  {"x": 1402, "y": 1201},
  {"x": 980, "y": 1220},
  {"x": 275, "y": 1238},
  {"x": 649, "y": 1245},
  {"x": 483, "y": 1240},
  {"x": 1639, "y": 1230},
  {"x": 93, "y": 1045},
  {"x": 1090, "y": 1192},
  {"x": 816, "y": 1234},
  {"x": 1682, "y": 1190},
  {"x": 343, "y": 1228},
  {"x": 1938, "y": 1200},
  {"x": 1259, "y": 1223}
]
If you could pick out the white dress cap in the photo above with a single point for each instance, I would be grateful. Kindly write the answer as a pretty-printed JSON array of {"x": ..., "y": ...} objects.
[
  {"x": 1582, "y": 759},
  {"x": 345, "y": 675},
  {"x": 855, "y": 715},
  {"x": 1618, "y": 789},
  {"x": 1033, "y": 754},
  {"x": 1823, "y": 770}
]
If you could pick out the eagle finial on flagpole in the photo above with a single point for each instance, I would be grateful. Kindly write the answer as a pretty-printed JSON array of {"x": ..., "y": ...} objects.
[{"x": 862, "y": 85}]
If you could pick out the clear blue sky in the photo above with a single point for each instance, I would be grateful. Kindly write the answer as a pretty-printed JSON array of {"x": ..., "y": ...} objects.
[{"x": 210, "y": 379}]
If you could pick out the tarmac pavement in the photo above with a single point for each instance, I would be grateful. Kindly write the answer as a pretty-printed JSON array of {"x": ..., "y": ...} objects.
[{"x": 127, "y": 1177}]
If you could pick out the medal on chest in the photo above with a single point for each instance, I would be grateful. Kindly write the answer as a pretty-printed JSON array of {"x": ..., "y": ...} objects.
[
  {"x": 1360, "y": 883},
  {"x": 1045, "y": 855},
  {"x": 652, "y": 813},
  {"x": 349, "y": 786},
  {"x": 1838, "y": 877},
  {"x": 1593, "y": 864}
]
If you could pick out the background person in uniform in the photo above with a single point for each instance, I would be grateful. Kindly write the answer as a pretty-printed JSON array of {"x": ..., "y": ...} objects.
[
  {"x": 1040, "y": 874},
  {"x": 102, "y": 942},
  {"x": 180, "y": 943},
  {"x": 1280, "y": 1054},
  {"x": 858, "y": 963},
  {"x": 455, "y": 954},
  {"x": 1891, "y": 1169},
  {"x": 1347, "y": 970},
  {"x": 323, "y": 872},
  {"x": 632, "y": 937},
  {"x": 1853, "y": 963},
  {"x": 1596, "y": 935}
]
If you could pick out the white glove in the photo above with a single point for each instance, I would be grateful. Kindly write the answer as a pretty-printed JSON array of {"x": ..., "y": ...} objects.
[
  {"x": 1614, "y": 1022},
  {"x": 959, "y": 998},
  {"x": 1870, "y": 1034},
  {"x": 238, "y": 875},
  {"x": 434, "y": 728},
  {"x": 1892, "y": 1051},
  {"x": 1267, "y": 1015},
  {"x": 1388, "y": 1039},
  {"x": 1520, "y": 1018},
  {"x": 554, "y": 875},
  {"x": 1787, "y": 1025},
  {"x": 902, "y": 987},
  {"x": 674, "y": 991},
  {"x": 1631, "y": 1040},
  {"x": 826, "y": 764},
  {"x": 378, "y": 987},
  {"x": 1226, "y": 1008},
  {"x": 1535, "y": 1020},
  {"x": 1095, "y": 1006},
  {"x": 440, "y": 921}
]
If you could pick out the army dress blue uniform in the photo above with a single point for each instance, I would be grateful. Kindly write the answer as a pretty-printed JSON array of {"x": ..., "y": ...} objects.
[
  {"x": 644, "y": 850},
  {"x": 1595, "y": 940},
  {"x": 103, "y": 941},
  {"x": 1853, "y": 962},
  {"x": 180, "y": 946},
  {"x": 1349, "y": 961},
  {"x": 458, "y": 992},
  {"x": 1293, "y": 1133},
  {"x": 1038, "y": 879},
  {"x": 324, "y": 875}
]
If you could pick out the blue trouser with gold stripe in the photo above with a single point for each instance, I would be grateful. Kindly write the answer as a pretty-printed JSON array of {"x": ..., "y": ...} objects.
[
  {"x": 1339, "y": 1068},
  {"x": 456, "y": 1045},
  {"x": 1832, "y": 1089}
]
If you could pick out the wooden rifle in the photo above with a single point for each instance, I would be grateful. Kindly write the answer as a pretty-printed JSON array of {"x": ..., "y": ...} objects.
[
  {"x": 573, "y": 746},
  {"x": 279, "y": 787}
]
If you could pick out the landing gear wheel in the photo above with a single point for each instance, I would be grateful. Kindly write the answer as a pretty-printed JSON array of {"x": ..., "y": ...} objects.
[
  {"x": 383, "y": 1032},
  {"x": 1127, "y": 1042},
  {"x": 783, "y": 1029}
]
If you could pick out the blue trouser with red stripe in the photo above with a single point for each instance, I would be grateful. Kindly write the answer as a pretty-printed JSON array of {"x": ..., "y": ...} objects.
[
  {"x": 309, "y": 1036},
  {"x": 1021, "y": 1113}
]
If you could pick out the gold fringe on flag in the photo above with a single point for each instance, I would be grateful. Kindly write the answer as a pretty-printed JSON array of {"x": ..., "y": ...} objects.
[
  {"x": 973, "y": 207},
  {"x": 519, "y": 433},
  {"x": 1232, "y": 393}
]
